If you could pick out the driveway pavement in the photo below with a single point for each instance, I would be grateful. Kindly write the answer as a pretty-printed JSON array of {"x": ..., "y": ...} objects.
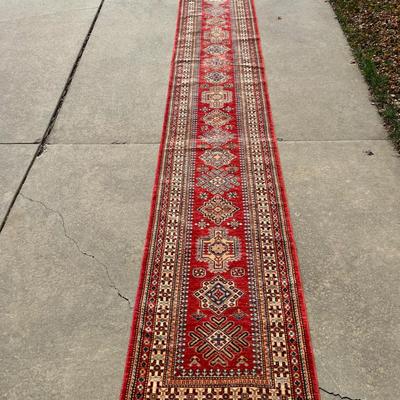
[{"x": 71, "y": 245}]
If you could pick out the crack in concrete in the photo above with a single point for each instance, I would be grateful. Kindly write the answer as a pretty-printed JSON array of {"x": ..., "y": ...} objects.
[
  {"x": 85, "y": 253},
  {"x": 337, "y": 394}
]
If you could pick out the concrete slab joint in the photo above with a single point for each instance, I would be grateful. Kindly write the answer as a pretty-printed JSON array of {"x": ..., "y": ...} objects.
[{"x": 43, "y": 140}]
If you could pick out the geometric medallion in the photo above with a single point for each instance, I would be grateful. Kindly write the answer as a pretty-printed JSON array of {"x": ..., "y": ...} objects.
[
  {"x": 216, "y": 63},
  {"x": 218, "y": 209},
  {"x": 216, "y": 49},
  {"x": 216, "y": 35},
  {"x": 218, "y": 294},
  {"x": 218, "y": 340},
  {"x": 218, "y": 249},
  {"x": 215, "y": 11},
  {"x": 217, "y": 157},
  {"x": 216, "y": 97},
  {"x": 217, "y": 118},
  {"x": 216, "y": 77},
  {"x": 216, "y": 21},
  {"x": 215, "y": 2},
  {"x": 217, "y": 137},
  {"x": 217, "y": 181}
]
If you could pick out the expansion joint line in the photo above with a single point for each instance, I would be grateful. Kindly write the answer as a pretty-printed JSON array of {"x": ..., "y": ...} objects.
[{"x": 53, "y": 118}]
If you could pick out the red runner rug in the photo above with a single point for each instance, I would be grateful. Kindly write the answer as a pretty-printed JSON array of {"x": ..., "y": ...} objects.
[{"x": 220, "y": 313}]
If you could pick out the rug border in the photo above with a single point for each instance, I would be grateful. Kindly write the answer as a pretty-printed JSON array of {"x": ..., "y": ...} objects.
[
  {"x": 139, "y": 290},
  {"x": 282, "y": 189}
]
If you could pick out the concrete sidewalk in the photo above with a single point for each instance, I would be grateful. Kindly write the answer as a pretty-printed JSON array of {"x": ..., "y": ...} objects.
[{"x": 71, "y": 247}]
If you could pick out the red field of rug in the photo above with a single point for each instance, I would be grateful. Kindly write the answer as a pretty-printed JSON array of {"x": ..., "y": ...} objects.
[{"x": 220, "y": 312}]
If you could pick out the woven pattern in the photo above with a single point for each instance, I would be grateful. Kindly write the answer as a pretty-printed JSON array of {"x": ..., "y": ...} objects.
[{"x": 219, "y": 313}]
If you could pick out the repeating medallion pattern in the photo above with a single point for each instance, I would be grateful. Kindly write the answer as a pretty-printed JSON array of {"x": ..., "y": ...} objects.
[
  {"x": 217, "y": 157},
  {"x": 218, "y": 294},
  {"x": 218, "y": 341},
  {"x": 219, "y": 316},
  {"x": 218, "y": 209},
  {"x": 218, "y": 250}
]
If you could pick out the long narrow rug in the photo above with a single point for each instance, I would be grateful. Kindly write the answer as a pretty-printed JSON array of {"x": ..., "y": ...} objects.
[{"x": 220, "y": 312}]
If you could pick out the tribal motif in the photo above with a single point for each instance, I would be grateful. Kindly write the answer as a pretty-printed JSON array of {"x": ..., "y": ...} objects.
[
  {"x": 217, "y": 157},
  {"x": 218, "y": 209},
  {"x": 217, "y": 118},
  {"x": 215, "y": 11},
  {"x": 216, "y": 34},
  {"x": 218, "y": 250},
  {"x": 218, "y": 341},
  {"x": 217, "y": 137},
  {"x": 218, "y": 294},
  {"x": 216, "y": 97},
  {"x": 216, "y": 21},
  {"x": 216, "y": 77},
  {"x": 216, "y": 63},
  {"x": 220, "y": 313},
  {"x": 216, "y": 49},
  {"x": 217, "y": 181}
]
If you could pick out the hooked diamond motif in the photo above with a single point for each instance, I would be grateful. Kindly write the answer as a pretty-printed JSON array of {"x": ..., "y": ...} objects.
[
  {"x": 218, "y": 294},
  {"x": 216, "y": 11},
  {"x": 217, "y": 118},
  {"x": 218, "y": 209},
  {"x": 217, "y": 137},
  {"x": 216, "y": 35},
  {"x": 216, "y": 49},
  {"x": 216, "y": 77}
]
